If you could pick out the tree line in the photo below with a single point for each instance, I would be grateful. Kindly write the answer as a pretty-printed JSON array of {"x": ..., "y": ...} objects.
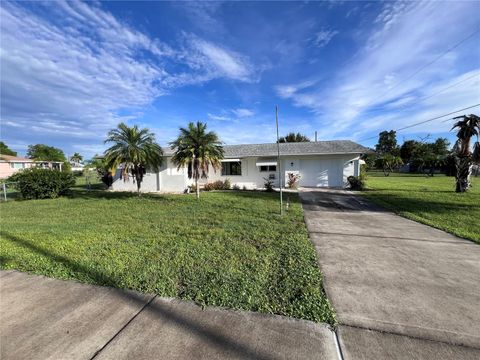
[{"x": 430, "y": 156}]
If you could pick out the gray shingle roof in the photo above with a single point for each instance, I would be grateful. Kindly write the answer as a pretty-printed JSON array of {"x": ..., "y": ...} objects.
[{"x": 299, "y": 148}]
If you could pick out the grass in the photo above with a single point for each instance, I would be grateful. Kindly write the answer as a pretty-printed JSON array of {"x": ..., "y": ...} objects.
[
  {"x": 429, "y": 200},
  {"x": 228, "y": 249}
]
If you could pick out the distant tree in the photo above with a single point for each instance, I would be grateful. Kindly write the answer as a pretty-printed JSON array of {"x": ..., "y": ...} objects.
[
  {"x": 467, "y": 127},
  {"x": 42, "y": 152},
  {"x": 387, "y": 143},
  {"x": 45, "y": 152},
  {"x": 98, "y": 164},
  {"x": 408, "y": 149},
  {"x": 389, "y": 163},
  {"x": 292, "y": 137},
  {"x": 197, "y": 149},
  {"x": 76, "y": 157},
  {"x": 369, "y": 159},
  {"x": 136, "y": 150},
  {"x": 440, "y": 147},
  {"x": 5, "y": 150},
  {"x": 388, "y": 152}
]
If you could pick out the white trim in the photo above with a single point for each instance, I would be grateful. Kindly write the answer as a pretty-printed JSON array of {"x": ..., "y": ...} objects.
[
  {"x": 266, "y": 163},
  {"x": 231, "y": 160}
]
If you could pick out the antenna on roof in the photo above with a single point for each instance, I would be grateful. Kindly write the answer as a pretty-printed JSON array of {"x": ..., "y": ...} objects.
[{"x": 278, "y": 163}]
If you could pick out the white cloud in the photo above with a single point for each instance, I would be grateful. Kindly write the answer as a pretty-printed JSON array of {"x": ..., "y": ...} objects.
[
  {"x": 231, "y": 115},
  {"x": 243, "y": 112},
  {"x": 79, "y": 71},
  {"x": 219, "y": 117},
  {"x": 218, "y": 62},
  {"x": 404, "y": 39},
  {"x": 323, "y": 37}
]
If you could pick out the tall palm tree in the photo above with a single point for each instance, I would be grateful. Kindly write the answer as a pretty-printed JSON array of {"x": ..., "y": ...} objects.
[
  {"x": 198, "y": 150},
  {"x": 76, "y": 157},
  {"x": 468, "y": 127},
  {"x": 136, "y": 149}
]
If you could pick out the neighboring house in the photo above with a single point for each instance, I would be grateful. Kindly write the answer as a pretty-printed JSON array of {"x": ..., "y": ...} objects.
[
  {"x": 320, "y": 164},
  {"x": 9, "y": 165},
  {"x": 77, "y": 166}
]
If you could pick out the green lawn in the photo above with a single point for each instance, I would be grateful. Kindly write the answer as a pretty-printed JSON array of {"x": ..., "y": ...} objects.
[
  {"x": 429, "y": 200},
  {"x": 228, "y": 249}
]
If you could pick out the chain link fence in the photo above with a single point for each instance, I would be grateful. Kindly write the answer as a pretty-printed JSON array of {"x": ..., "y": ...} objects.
[{"x": 9, "y": 191}]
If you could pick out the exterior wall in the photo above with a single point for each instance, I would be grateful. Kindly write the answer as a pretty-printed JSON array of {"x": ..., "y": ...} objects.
[
  {"x": 168, "y": 179},
  {"x": 7, "y": 170},
  {"x": 149, "y": 182},
  {"x": 315, "y": 171},
  {"x": 251, "y": 177}
]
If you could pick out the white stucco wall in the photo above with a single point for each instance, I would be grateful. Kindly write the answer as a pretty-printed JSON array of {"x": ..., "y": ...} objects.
[
  {"x": 149, "y": 183},
  {"x": 315, "y": 170}
]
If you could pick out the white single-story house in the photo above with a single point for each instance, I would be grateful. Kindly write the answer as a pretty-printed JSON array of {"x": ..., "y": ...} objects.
[{"x": 319, "y": 164}]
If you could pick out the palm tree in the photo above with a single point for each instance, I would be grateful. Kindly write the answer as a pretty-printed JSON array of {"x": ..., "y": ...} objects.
[
  {"x": 134, "y": 148},
  {"x": 292, "y": 137},
  {"x": 76, "y": 158},
  {"x": 198, "y": 150},
  {"x": 468, "y": 127}
]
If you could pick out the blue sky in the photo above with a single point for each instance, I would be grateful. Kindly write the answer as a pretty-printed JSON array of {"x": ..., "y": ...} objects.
[{"x": 70, "y": 71}]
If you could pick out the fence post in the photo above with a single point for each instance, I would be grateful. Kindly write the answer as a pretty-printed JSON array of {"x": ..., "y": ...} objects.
[{"x": 4, "y": 191}]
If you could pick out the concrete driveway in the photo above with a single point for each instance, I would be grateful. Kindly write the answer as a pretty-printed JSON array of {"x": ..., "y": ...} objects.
[
  {"x": 401, "y": 289},
  {"x": 43, "y": 318}
]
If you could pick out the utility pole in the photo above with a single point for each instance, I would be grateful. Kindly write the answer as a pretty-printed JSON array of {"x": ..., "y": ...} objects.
[{"x": 278, "y": 163}]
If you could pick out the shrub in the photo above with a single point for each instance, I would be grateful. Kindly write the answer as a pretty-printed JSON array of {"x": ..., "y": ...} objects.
[
  {"x": 244, "y": 188},
  {"x": 38, "y": 183},
  {"x": 77, "y": 173},
  {"x": 227, "y": 185},
  {"x": 356, "y": 183},
  {"x": 217, "y": 185},
  {"x": 292, "y": 180},
  {"x": 235, "y": 187},
  {"x": 268, "y": 184},
  {"x": 192, "y": 188}
]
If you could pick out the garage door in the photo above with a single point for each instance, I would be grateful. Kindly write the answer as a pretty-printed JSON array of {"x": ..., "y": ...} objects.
[{"x": 321, "y": 173}]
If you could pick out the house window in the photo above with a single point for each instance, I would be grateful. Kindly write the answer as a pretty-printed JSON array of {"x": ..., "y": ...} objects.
[
  {"x": 268, "y": 168},
  {"x": 232, "y": 168},
  {"x": 16, "y": 165}
]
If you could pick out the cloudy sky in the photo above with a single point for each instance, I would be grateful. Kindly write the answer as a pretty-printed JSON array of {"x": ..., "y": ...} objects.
[{"x": 72, "y": 70}]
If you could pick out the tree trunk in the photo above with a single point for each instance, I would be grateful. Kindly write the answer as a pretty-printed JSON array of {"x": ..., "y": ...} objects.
[
  {"x": 462, "y": 177},
  {"x": 138, "y": 179},
  {"x": 197, "y": 189}
]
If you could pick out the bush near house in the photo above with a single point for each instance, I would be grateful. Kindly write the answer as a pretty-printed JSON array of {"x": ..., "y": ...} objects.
[
  {"x": 217, "y": 185},
  {"x": 38, "y": 183},
  {"x": 356, "y": 183}
]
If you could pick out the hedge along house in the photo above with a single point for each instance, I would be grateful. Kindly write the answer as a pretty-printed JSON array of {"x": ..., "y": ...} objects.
[{"x": 319, "y": 164}]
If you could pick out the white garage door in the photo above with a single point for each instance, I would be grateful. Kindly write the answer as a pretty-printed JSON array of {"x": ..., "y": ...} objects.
[{"x": 321, "y": 173}]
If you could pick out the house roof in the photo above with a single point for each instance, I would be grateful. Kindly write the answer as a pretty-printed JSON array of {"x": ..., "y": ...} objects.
[
  {"x": 298, "y": 148},
  {"x": 10, "y": 158}
]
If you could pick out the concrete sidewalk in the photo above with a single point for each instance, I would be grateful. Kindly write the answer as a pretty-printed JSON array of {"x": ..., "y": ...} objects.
[
  {"x": 401, "y": 290},
  {"x": 43, "y": 318}
]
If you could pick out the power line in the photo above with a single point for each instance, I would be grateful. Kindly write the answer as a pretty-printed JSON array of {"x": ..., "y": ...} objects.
[
  {"x": 429, "y": 96},
  {"x": 430, "y": 63},
  {"x": 426, "y": 121}
]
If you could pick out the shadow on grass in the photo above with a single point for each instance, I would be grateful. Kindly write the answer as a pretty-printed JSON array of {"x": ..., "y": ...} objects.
[
  {"x": 206, "y": 333},
  {"x": 417, "y": 205},
  {"x": 111, "y": 195}
]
